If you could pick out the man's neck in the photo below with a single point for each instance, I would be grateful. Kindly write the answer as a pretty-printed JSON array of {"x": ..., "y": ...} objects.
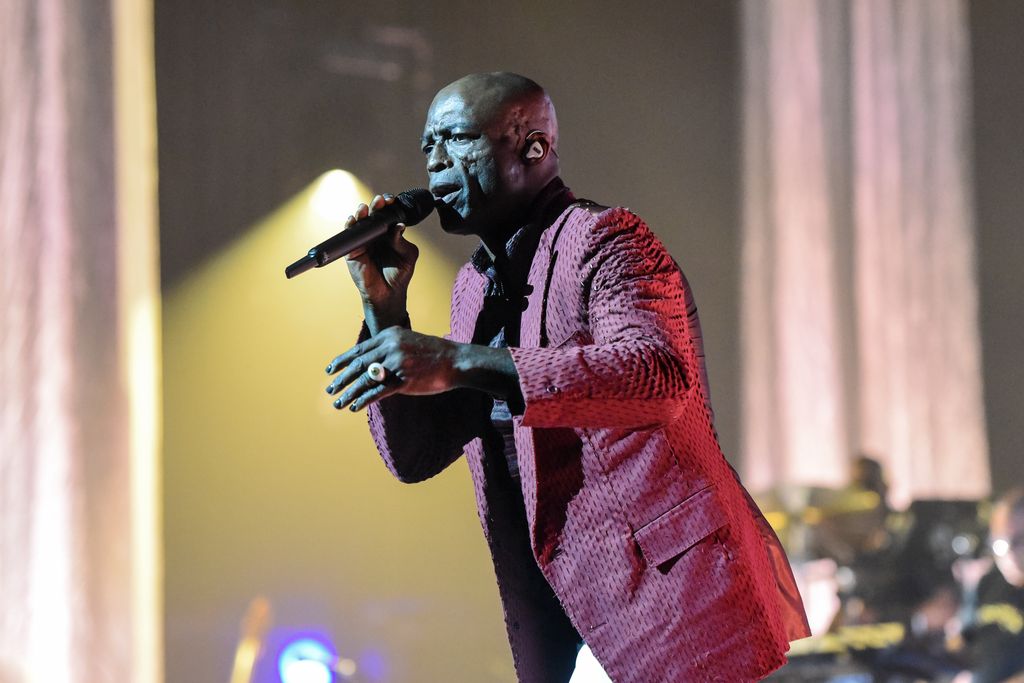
[
  {"x": 545, "y": 206},
  {"x": 507, "y": 261}
]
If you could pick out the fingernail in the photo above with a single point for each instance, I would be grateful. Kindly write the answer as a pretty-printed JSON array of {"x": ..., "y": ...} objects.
[
  {"x": 353, "y": 407},
  {"x": 330, "y": 389},
  {"x": 337, "y": 403},
  {"x": 329, "y": 367}
]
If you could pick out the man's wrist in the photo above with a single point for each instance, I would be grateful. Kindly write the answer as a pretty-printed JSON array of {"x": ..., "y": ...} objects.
[
  {"x": 382, "y": 317},
  {"x": 486, "y": 369},
  {"x": 463, "y": 364}
]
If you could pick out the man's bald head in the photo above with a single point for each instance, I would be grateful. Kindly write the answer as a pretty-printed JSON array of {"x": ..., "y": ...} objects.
[
  {"x": 502, "y": 97},
  {"x": 489, "y": 142}
]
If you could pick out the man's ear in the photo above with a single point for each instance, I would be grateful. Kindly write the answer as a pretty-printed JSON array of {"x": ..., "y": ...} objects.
[{"x": 536, "y": 147}]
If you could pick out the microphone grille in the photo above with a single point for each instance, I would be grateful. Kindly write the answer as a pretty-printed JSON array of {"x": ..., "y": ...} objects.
[{"x": 418, "y": 205}]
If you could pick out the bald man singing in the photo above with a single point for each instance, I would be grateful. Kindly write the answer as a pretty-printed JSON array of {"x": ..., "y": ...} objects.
[{"x": 573, "y": 381}]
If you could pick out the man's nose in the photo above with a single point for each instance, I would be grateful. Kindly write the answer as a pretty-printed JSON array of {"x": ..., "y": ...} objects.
[{"x": 438, "y": 159}]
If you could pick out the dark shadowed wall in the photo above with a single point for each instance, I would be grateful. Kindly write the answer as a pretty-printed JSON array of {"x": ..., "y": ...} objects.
[{"x": 997, "y": 27}]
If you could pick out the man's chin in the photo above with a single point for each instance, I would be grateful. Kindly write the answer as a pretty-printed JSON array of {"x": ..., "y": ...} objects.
[{"x": 452, "y": 221}]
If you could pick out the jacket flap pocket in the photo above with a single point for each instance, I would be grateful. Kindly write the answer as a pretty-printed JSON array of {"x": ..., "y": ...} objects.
[
  {"x": 679, "y": 529},
  {"x": 577, "y": 338}
]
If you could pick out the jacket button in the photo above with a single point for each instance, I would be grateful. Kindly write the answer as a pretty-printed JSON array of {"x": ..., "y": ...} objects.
[{"x": 552, "y": 389}]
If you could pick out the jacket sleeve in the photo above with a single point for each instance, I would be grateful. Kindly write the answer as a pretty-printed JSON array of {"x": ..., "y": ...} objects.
[
  {"x": 639, "y": 370},
  {"x": 419, "y": 436}
]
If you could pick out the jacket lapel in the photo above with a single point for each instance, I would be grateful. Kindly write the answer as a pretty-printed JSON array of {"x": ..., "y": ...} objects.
[
  {"x": 531, "y": 336},
  {"x": 472, "y": 287}
]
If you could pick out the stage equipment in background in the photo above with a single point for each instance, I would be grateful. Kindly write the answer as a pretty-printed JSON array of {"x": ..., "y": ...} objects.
[
  {"x": 306, "y": 660},
  {"x": 881, "y": 591},
  {"x": 303, "y": 656},
  {"x": 255, "y": 624},
  {"x": 314, "y": 659},
  {"x": 410, "y": 208}
]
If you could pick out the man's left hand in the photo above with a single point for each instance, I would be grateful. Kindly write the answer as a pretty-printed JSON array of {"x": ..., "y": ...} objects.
[{"x": 414, "y": 363}]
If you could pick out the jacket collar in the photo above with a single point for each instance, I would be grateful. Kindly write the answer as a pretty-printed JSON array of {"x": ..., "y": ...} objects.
[{"x": 520, "y": 247}]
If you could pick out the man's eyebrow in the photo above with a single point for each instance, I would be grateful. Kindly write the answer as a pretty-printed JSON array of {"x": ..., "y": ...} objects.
[
  {"x": 432, "y": 133},
  {"x": 447, "y": 128}
]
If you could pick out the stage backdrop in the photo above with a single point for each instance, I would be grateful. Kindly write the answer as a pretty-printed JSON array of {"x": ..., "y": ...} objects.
[
  {"x": 860, "y": 328},
  {"x": 78, "y": 322}
]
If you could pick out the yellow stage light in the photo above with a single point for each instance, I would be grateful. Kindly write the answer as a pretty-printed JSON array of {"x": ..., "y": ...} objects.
[
  {"x": 336, "y": 195},
  {"x": 272, "y": 491}
]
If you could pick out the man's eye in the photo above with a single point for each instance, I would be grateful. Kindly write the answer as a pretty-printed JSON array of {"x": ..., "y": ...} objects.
[
  {"x": 427, "y": 149},
  {"x": 461, "y": 137}
]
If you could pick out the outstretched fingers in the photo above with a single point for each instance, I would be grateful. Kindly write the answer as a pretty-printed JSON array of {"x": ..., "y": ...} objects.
[
  {"x": 363, "y": 347},
  {"x": 352, "y": 372},
  {"x": 352, "y": 363},
  {"x": 362, "y": 394},
  {"x": 363, "y": 389}
]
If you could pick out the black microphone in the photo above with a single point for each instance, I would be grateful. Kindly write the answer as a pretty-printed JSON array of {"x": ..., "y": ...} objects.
[{"x": 409, "y": 208}]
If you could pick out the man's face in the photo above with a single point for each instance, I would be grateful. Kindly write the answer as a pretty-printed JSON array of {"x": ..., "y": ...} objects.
[
  {"x": 472, "y": 161},
  {"x": 1007, "y": 537}
]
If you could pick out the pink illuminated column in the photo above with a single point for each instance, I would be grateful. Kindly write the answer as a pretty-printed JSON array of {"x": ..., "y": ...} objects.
[
  {"x": 796, "y": 419},
  {"x": 79, "y": 543},
  {"x": 916, "y": 288},
  {"x": 859, "y": 294}
]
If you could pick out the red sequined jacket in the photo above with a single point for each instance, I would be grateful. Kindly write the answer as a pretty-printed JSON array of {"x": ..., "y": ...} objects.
[{"x": 636, "y": 520}]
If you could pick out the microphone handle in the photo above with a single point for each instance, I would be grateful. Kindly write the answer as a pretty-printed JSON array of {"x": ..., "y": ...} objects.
[
  {"x": 410, "y": 208},
  {"x": 335, "y": 247},
  {"x": 345, "y": 241}
]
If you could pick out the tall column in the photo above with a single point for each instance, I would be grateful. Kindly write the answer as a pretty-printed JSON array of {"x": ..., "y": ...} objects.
[
  {"x": 79, "y": 308},
  {"x": 860, "y": 292}
]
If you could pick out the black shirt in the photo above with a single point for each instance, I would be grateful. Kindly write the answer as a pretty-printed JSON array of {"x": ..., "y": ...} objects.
[
  {"x": 995, "y": 638},
  {"x": 498, "y": 324}
]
